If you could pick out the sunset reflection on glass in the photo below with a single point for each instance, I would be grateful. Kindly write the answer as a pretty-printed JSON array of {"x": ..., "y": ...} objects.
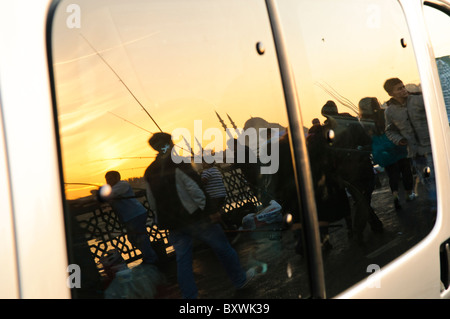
[{"x": 126, "y": 71}]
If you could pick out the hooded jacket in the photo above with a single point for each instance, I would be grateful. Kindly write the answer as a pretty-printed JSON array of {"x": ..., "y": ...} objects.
[
  {"x": 408, "y": 121},
  {"x": 124, "y": 203},
  {"x": 174, "y": 193}
]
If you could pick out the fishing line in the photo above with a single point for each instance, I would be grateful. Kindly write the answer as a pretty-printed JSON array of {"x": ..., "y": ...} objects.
[{"x": 120, "y": 79}]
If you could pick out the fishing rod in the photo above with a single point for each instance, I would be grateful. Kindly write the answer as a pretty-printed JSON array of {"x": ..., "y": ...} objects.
[
  {"x": 141, "y": 129},
  {"x": 341, "y": 99},
  {"x": 122, "y": 158},
  {"x": 120, "y": 79},
  {"x": 87, "y": 184},
  {"x": 120, "y": 117},
  {"x": 128, "y": 89}
]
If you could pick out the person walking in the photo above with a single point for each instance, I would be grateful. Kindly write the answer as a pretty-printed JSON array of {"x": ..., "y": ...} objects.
[
  {"x": 176, "y": 197},
  {"x": 406, "y": 124}
]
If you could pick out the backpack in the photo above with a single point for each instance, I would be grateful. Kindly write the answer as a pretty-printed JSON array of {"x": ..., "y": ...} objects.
[{"x": 170, "y": 211}]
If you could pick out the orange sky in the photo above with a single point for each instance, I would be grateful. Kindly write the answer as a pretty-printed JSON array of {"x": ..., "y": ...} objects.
[{"x": 185, "y": 64}]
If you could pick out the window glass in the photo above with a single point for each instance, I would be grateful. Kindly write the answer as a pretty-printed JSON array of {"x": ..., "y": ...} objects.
[
  {"x": 438, "y": 24},
  {"x": 370, "y": 152},
  {"x": 206, "y": 73}
]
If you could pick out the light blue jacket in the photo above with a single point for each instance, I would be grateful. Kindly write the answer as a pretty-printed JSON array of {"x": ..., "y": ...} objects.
[
  {"x": 408, "y": 121},
  {"x": 124, "y": 203}
]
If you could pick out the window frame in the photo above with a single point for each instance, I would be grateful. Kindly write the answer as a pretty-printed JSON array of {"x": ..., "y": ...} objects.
[
  {"x": 300, "y": 158},
  {"x": 305, "y": 193}
]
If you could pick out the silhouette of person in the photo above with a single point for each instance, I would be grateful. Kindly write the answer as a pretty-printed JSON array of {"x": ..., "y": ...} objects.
[
  {"x": 247, "y": 161},
  {"x": 331, "y": 198},
  {"x": 315, "y": 124},
  {"x": 350, "y": 147},
  {"x": 385, "y": 153},
  {"x": 132, "y": 214},
  {"x": 213, "y": 185},
  {"x": 176, "y": 197}
]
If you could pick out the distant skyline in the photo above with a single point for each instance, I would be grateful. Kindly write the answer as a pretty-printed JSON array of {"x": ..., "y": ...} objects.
[
  {"x": 145, "y": 44},
  {"x": 184, "y": 65}
]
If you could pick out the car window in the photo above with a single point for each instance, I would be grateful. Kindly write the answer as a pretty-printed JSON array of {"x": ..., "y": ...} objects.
[
  {"x": 438, "y": 23},
  {"x": 366, "y": 131},
  {"x": 206, "y": 73}
]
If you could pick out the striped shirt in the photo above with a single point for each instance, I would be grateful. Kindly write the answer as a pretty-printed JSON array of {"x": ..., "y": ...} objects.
[{"x": 213, "y": 182}]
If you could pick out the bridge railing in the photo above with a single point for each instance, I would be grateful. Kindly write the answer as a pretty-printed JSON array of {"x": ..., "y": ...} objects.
[{"x": 98, "y": 225}]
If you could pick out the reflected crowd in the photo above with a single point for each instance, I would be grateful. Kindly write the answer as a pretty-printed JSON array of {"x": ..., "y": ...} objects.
[{"x": 350, "y": 156}]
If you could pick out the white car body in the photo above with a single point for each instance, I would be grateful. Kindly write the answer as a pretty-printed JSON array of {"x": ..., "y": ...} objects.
[{"x": 32, "y": 236}]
